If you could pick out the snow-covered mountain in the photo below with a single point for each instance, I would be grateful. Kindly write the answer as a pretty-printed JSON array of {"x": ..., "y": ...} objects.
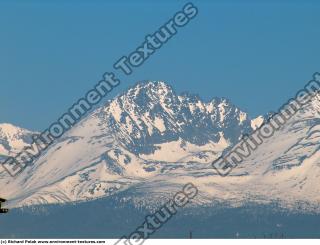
[
  {"x": 13, "y": 139},
  {"x": 149, "y": 141},
  {"x": 151, "y": 113},
  {"x": 147, "y": 131}
]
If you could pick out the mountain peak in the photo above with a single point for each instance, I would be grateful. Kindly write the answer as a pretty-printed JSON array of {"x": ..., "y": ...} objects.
[
  {"x": 155, "y": 86},
  {"x": 7, "y": 127},
  {"x": 151, "y": 113}
]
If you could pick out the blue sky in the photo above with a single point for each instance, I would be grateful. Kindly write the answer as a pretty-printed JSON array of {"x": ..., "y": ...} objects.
[{"x": 256, "y": 53}]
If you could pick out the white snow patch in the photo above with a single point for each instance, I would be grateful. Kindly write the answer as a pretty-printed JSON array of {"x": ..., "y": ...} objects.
[{"x": 257, "y": 122}]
